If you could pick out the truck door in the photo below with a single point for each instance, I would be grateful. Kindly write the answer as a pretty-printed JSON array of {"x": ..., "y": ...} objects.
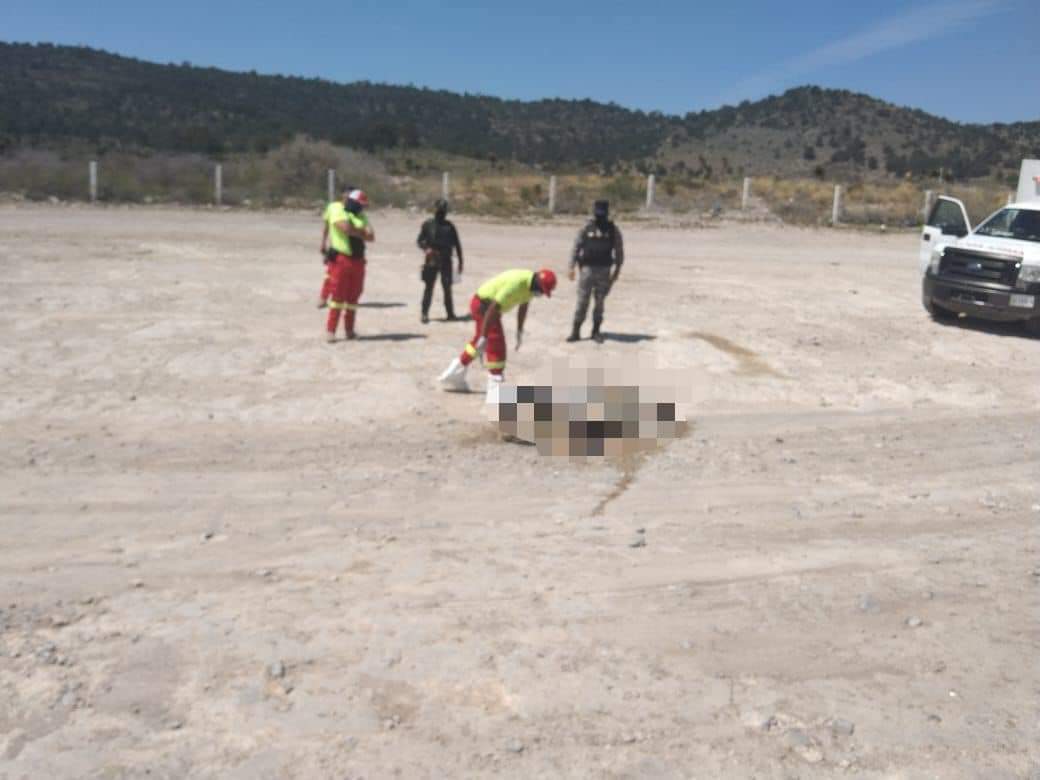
[{"x": 948, "y": 221}]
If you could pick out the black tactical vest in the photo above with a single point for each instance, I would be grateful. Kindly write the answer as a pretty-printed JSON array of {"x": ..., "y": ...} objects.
[{"x": 597, "y": 246}]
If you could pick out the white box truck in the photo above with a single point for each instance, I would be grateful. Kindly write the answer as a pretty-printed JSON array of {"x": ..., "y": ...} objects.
[{"x": 992, "y": 271}]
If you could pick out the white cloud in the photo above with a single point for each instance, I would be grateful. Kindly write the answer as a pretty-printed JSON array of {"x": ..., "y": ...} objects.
[{"x": 918, "y": 24}]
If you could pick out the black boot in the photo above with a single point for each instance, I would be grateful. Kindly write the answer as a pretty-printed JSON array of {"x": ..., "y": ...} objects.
[
  {"x": 596, "y": 335},
  {"x": 575, "y": 334}
]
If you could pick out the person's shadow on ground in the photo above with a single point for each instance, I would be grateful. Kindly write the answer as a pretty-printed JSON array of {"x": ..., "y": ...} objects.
[
  {"x": 627, "y": 338},
  {"x": 392, "y": 337}
]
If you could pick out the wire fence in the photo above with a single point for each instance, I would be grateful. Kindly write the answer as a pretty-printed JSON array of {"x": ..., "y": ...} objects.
[{"x": 308, "y": 174}]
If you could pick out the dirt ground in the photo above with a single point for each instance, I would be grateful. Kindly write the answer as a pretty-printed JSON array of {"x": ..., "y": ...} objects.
[{"x": 234, "y": 551}]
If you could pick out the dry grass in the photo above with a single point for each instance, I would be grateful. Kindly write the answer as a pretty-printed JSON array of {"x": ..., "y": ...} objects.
[{"x": 295, "y": 175}]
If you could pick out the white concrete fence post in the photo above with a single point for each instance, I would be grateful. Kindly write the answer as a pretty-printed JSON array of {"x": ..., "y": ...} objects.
[
  {"x": 218, "y": 184},
  {"x": 445, "y": 185},
  {"x": 330, "y": 184},
  {"x": 552, "y": 194},
  {"x": 928, "y": 195},
  {"x": 650, "y": 191},
  {"x": 836, "y": 207},
  {"x": 745, "y": 197},
  {"x": 93, "y": 175}
]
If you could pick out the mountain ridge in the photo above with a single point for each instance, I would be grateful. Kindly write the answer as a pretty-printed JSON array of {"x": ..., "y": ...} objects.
[{"x": 53, "y": 95}]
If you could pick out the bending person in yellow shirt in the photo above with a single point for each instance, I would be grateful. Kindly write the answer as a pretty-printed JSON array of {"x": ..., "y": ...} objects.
[{"x": 494, "y": 298}]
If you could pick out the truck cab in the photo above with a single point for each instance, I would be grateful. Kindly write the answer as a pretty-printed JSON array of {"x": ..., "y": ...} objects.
[{"x": 990, "y": 272}]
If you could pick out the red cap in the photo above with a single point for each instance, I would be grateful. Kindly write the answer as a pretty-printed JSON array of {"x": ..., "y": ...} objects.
[
  {"x": 358, "y": 196},
  {"x": 546, "y": 281}
]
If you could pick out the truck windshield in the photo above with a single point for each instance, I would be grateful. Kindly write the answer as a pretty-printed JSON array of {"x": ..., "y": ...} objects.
[{"x": 1021, "y": 224}]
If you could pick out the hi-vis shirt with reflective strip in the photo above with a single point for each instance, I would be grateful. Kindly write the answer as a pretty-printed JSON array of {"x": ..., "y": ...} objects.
[
  {"x": 336, "y": 212},
  {"x": 343, "y": 306},
  {"x": 509, "y": 289}
]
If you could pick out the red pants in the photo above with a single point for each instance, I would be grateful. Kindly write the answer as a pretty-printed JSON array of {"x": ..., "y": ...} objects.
[
  {"x": 347, "y": 280},
  {"x": 326, "y": 285},
  {"x": 495, "y": 355}
]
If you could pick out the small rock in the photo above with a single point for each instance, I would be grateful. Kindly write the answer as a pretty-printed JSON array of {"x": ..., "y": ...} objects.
[
  {"x": 796, "y": 738},
  {"x": 914, "y": 622},
  {"x": 686, "y": 644},
  {"x": 276, "y": 671},
  {"x": 59, "y": 621},
  {"x": 842, "y": 727},
  {"x": 175, "y": 725},
  {"x": 928, "y": 595},
  {"x": 516, "y": 746},
  {"x": 811, "y": 755},
  {"x": 639, "y": 541},
  {"x": 349, "y": 743},
  {"x": 207, "y": 536},
  {"x": 265, "y": 573},
  {"x": 137, "y": 583},
  {"x": 867, "y": 603},
  {"x": 933, "y": 718}
]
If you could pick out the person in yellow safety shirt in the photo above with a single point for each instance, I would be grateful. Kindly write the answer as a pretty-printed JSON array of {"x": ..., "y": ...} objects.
[
  {"x": 493, "y": 298},
  {"x": 335, "y": 212},
  {"x": 349, "y": 228}
]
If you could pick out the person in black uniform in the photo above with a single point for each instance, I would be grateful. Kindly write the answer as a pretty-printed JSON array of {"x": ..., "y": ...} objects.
[
  {"x": 599, "y": 252},
  {"x": 438, "y": 238}
]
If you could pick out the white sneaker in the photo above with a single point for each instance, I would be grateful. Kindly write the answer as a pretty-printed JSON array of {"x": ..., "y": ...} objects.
[{"x": 454, "y": 377}]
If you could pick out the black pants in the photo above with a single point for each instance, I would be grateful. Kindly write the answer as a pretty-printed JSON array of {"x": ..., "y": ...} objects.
[{"x": 435, "y": 266}]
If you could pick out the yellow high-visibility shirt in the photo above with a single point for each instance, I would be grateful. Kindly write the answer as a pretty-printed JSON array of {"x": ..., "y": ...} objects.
[
  {"x": 335, "y": 212},
  {"x": 509, "y": 289}
]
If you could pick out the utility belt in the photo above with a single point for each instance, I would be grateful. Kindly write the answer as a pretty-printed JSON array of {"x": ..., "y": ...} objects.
[{"x": 437, "y": 255}]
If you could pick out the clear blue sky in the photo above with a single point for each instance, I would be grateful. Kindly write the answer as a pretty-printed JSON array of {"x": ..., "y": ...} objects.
[{"x": 969, "y": 60}]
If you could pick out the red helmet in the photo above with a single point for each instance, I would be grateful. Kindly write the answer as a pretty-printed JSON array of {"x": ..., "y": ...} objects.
[
  {"x": 359, "y": 196},
  {"x": 546, "y": 281}
]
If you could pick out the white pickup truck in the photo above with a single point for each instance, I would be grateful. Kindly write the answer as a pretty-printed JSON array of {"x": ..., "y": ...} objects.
[{"x": 991, "y": 272}]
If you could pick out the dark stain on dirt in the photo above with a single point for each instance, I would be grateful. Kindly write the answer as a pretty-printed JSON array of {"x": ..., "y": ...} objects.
[
  {"x": 630, "y": 466},
  {"x": 748, "y": 362}
]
